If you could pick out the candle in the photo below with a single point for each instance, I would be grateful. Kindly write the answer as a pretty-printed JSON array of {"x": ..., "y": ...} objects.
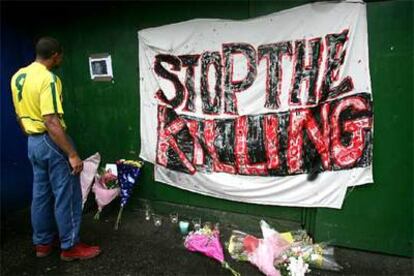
[{"x": 184, "y": 227}]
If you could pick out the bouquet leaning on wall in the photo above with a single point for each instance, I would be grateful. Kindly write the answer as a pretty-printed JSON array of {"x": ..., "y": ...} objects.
[{"x": 106, "y": 189}]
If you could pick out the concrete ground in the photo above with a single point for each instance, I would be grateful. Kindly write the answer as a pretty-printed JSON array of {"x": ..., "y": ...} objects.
[{"x": 140, "y": 248}]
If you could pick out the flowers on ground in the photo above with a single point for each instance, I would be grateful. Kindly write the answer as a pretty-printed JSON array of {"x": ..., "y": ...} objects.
[
  {"x": 318, "y": 255},
  {"x": 260, "y": 252},
  {"x": 207, "y": 241},
  {"x": 286, "y": 254}
]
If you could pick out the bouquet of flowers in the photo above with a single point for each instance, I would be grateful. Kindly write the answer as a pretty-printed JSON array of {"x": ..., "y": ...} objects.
[
  {"x": 207, "y": 242},
  {"x": 106, "y": 189},
  {"x": 260, "y": 252},
  {"x": 108, "y": 179},
  {"x": 289, "y": 253},
  {"x": 293, "y": 262},
  {"x": 128, "y": 173},
  {"x": 318, "y": 255},
  {"x": 241, "y": 244}
]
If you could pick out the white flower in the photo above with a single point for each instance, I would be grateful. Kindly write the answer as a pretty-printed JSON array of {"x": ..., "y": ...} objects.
[
  {"x": 297, "y": 267},
  {"x": 297, "y": 250}
]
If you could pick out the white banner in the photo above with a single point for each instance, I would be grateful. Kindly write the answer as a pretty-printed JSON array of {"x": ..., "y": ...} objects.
[{"x": 274, "y": 110}]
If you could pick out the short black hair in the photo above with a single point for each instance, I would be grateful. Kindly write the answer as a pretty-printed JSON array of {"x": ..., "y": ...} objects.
[{"x": 47, "y": 46}]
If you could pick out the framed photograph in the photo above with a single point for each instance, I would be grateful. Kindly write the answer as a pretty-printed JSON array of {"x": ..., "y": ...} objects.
[{"x": 100, "y": 67}]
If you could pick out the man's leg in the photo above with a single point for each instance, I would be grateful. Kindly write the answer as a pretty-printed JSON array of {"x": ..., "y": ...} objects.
[
  {"x": 68, "y": 206},
  {"x": 68, "y": 197},
  {"x": 43, "y": 221}
]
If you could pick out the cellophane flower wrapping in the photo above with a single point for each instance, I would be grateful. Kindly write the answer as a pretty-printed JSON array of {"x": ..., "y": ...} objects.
[
  {"x": 108, "y": 180},
  {"x": 207, "y": 242},
  {"x": 128, "y": 174},
  {"x": 90, "y": 167},
  {"x": 105, "y": 188},
  {"x": 268, "y": 250},
  {"x": 266, "y": 253},
  {"x": 103, "y": 195},
  {"x": 259, "y": 252},
  {"x": 235, "y": 246},
  {"x": 317, "y": 255}
]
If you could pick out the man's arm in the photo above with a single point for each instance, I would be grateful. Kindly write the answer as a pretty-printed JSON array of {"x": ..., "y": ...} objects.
[
  {"x": 58, "y": 135},
  {"x": 21, "y": 125}
]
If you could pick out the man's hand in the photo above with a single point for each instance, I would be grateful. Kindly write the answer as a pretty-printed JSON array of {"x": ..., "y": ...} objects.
[{"x": 76, "y": 163}]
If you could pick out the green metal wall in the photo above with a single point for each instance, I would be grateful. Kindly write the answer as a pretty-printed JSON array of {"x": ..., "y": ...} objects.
[
  {"x": 104, "y": 117},
  {"x": 379, "y": 217}
]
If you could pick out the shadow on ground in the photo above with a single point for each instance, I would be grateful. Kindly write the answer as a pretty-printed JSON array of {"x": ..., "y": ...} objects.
[{"x": 140, "y": 248}]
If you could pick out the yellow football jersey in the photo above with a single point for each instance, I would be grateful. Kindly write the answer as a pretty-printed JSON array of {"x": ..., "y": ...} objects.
[{"x": 36, "y": 92}]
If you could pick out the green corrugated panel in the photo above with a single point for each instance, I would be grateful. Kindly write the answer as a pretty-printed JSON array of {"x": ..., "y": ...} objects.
[{"x": 379, "y": 217}]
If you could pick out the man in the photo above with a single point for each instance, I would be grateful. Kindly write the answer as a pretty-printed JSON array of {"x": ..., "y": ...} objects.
[{"x": 57, "y": 198}]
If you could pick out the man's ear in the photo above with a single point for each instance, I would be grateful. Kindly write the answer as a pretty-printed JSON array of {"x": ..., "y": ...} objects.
[{"x": 56, "y": 61}]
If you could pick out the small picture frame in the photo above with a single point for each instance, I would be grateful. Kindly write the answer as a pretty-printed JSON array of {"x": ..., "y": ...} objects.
[{"x": 100, "y": 67}]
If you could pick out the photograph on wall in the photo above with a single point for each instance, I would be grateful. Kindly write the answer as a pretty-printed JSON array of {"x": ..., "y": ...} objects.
[{"x": 100, "y": 67}]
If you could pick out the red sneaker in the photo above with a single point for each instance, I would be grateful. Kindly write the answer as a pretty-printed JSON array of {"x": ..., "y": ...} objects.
[
  {"x": 43, "y": 250},
  {"x": 84, "y": 245},
  {"x": 80, "y": 251}
]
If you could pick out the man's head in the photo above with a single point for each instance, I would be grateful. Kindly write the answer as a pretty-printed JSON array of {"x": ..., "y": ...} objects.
[{"x": 49, "y": 51}]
